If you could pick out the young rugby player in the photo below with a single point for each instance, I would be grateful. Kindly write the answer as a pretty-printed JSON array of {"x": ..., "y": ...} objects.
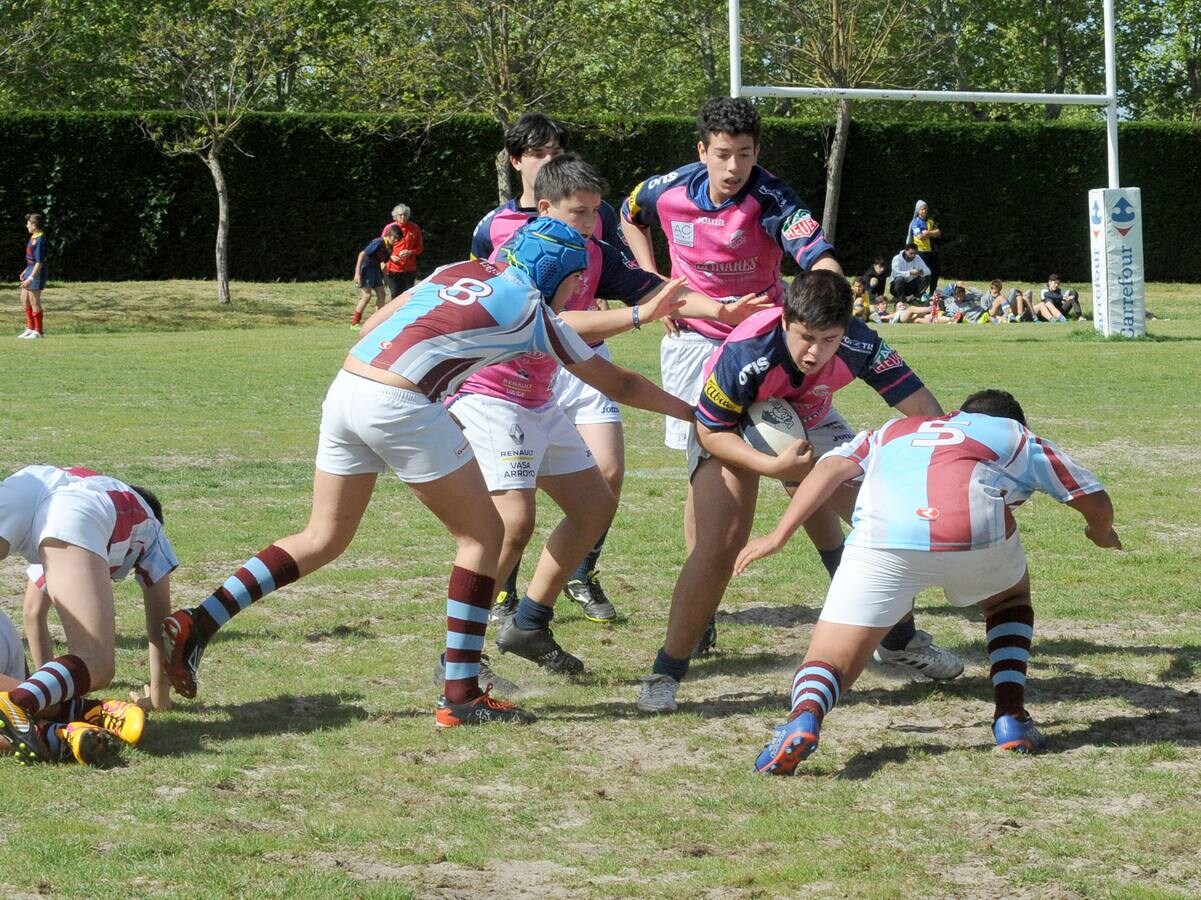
[
  {"x": 803, "y": 353},
  {"x": 86, "y": 531},
  {"x": 33, "y": 277},
  {"x": 384, "y": 411},
  {"x": 727, "y": 223},
  {"x": 934, "y": 510}
]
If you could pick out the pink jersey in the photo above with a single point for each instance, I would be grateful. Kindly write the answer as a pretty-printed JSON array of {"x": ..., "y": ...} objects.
[
  {"x": 136, "y": 541},
  {"x": 729, "y": 250},
  {"x": 948, "y": 483}
]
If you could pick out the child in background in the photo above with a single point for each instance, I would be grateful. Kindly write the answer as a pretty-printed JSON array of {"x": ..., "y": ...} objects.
[
  {"x": 1065, "y": 304},
  {"x": 368, "y": 274},
  {"x": 861, "y": 300},
  {"x": 33, "y": 277}
]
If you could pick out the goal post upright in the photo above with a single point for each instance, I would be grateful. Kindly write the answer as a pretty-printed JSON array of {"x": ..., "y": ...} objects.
[{"x": 1115, "y": 213}]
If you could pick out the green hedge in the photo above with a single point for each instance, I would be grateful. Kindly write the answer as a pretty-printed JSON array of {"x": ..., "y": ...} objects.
[{"x": 309, "y": 191}]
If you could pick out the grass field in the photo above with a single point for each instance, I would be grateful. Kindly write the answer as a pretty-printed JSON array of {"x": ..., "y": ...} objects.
[{"x": 309, "y": 765}]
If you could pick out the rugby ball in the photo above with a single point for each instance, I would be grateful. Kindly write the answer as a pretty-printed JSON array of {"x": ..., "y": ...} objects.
[{"x": 771, "y": 425}]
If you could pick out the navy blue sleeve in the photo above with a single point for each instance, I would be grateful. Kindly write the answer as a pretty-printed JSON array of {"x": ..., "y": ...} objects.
[
  {"x": 789, "y": 221},
  {"x": 621, "y": 279}
]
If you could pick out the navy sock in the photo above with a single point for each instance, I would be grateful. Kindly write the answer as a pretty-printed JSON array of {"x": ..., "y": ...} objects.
[
  {"x": 510, "y": 586},
  {"x": 532, "y": 616},
  {"x": 831, "y": 558},
  {"x": 669, "y": 665},
  {"x": 900, "y": 636},
  {"x": 588, "y": 566}
]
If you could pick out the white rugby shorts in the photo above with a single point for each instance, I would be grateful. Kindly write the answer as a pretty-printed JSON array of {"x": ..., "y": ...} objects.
[
  {"x": 875, "y": 588},
  {"x": 682, "y": 360},
  {"x": 514, "y": 445},
  {"x": 367, "y": 427},
  {"x": 30, "y": 513},
  {"x": 582, "y": 403}
]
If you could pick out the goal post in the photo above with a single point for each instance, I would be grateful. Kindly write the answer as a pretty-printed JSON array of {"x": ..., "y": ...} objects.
[{"x": 1117, "y": 258}]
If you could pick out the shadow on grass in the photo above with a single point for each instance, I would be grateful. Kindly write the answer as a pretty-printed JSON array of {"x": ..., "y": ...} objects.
[
  {"x": 286, "y": 714},
  {"x": 772, "y": 616}
]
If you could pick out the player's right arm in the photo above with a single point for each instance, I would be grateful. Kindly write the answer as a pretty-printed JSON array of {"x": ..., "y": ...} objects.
[
  {"x": 1097, "y": 510},
  {"x": 35, "y": 612},
  {"x": 156, "y": 599},
  {"x": 358, "y": 263},
  {"x": 637, "y": 214},
  {"x": 793, "y": 464},
  {"x": 628, "y": 387}
]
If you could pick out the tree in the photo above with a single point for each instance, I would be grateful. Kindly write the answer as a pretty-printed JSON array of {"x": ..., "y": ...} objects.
[
  {"x": 212, "y": 64},
  {"x": 858, "y": 43}
]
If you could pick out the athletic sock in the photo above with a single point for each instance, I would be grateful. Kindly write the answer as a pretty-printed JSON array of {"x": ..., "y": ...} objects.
[
  {"x": 532, "y": 616},
  {"x": 266, "y": 571},
  {"x": 59, "y": 680},
  {"x": 816, "y": 687},
  {"x": 29, "y": 317},
  {"x": 900, "y": 636},
  {"x": 588, "y": 566},
  {"x": 832, "y": 559},
  {"x": 356, "y": 318},
  {"x": 669, "y": 665},
  {"x": 1009, "y": 634},
  {"x": 468, "y": 600},
  {"x": 37, "y": 322}
]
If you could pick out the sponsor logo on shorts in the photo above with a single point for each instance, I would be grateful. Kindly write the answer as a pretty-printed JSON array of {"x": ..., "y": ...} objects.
[
  {"x": 799, "y": 225},
  {"x": 462, "y": 448},
  {"x": 929, "y": 513},
  {"x": 886, "y": 358},
  {"x": 718, "y": 397},
  {"x": 517, "y": 435},
  {"x": 683, "y": 233}
]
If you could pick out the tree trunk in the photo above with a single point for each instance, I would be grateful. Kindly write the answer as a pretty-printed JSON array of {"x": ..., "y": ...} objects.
[
  {"x": 838, "y": 153},
  {"x": 503, "y": 191},
  {"x": 213, "y": 160}
]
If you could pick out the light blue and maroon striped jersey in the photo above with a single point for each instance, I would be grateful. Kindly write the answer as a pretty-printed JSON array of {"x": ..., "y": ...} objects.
[
  {"x": 463, "y": 317},
  {"x": 948, "y": 483}
]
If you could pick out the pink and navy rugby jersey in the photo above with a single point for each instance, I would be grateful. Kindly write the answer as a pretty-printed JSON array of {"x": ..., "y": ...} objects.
[
  {"x": 463, "y": 317},
  {"x": 35, "y": 249},
  {"x": 527, "y": 380},
  {"x": 500, "y": 225},
  {"x": 754, "y": 364},
  {"x": 948, "y": 483},
  {"x": 730, "y": 250},
  {"x": 136, "y": 541}
]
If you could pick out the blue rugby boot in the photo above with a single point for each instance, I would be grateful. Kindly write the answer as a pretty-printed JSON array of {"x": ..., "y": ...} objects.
[
  {"x": 792, "y": 742},
  {"x": 1018, "y": 734}
]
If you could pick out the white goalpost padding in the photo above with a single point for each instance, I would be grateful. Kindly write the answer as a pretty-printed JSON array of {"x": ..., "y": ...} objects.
[{"x": 1116, "y": 243}]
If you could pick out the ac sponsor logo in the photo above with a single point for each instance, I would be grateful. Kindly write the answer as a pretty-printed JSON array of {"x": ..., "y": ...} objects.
[
  {"x": 800, "y": 225},
  {"x": 718, "y": 397},
  {"x": 886, "y": 358},
  {"x": 683, "y": 233}
]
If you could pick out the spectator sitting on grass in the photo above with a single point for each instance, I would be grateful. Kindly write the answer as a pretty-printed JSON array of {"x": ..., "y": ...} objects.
[
  {"x": 876, "y": 277},
  {"x": 1065, "y": 303},
  {"x": 963, "y": 304},
  {"x": 910, "y": 274}
]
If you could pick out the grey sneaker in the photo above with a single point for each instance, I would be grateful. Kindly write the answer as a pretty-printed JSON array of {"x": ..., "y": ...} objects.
[
  {"x": 538, "y": 646},
  {"x": 590, "y": 597},
  {"x": 504, "y": 609},
  {"x": 487, "y": 676},
  {"x": 707, "y": 642},
  {"x": 922, "y": 656},
  {"x": 658, "y": 694}
]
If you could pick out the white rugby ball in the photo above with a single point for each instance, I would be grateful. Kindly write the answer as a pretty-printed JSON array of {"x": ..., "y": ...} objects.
[{"x": 772, "y": 425}]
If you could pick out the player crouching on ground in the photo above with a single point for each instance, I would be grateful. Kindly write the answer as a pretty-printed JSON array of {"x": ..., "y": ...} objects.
[
  {"x": 85, "y": 530},
  {"x": 384, "y": 410},
  {"x": 802, "y": 353},
  {"x": 933, "y": 511}
]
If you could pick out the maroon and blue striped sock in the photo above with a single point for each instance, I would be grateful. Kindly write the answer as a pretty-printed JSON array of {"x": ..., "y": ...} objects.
[
  {"x": 59, "y": 680},
  {"x": 1009, "y": 634},
  {"x": 468, "y": 600},
  {"x": 816, "y": 687},
  {"x": 266, "y": 571}
]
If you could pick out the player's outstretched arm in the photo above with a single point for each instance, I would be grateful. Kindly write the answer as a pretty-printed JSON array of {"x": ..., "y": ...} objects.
[
  {"x": 920, "y": 403},
  {"x": 596, "y": 325},
  {"x": 626, "y": 386},
  {"x": 157, "y": 602},
  {"x": 1097, "y": 510},
  {"x": 815, "y": 490},
  {"x": 641, "y": 245},
  {"x": 793, "y": 464},
  {"x": 35, "y": 612}
]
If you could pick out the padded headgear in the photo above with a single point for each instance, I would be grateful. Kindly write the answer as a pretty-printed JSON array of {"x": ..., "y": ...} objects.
[{"x": 547, "y": 250}]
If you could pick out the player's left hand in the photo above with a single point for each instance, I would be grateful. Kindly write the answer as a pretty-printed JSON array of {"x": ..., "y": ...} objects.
[
  {"x": 665, "y": 302},
  {"x": 756, "y": 549},
  {"x": 145, "y": 701}
]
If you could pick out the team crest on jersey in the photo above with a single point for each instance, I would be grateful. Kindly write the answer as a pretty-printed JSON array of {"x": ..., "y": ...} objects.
[
  {"x": 718, "y": 397},
  {"x": 799, "y": 225},
  {"x": 385, "y": 345},
  {"x": 737, "y": 239},
  {"x": 886, "y": 358},
  {"x": 929, "y": 513},
  {"x": 683, "y": 233}
]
